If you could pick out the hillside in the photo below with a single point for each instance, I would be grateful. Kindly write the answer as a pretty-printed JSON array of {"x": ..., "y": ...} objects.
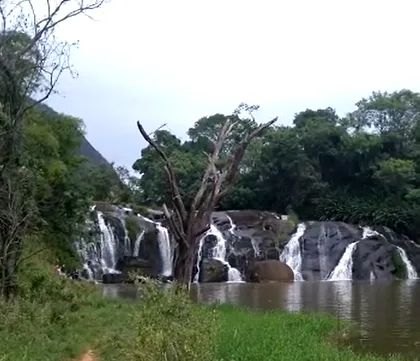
[{"x": 86, "y": 149}]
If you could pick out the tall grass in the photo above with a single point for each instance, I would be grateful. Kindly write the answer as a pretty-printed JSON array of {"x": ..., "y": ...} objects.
[
  {"x": 55, "y": 319},
  {"x": 247, "y": 335},
  {"x": 166, "y": 326}
]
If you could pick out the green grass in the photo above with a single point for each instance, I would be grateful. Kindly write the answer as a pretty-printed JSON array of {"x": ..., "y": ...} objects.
[
  {"x": 248, "y": 335},
  {"x": 55, "y": 319}
]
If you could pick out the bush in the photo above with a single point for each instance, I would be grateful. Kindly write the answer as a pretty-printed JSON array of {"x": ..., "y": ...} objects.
[
  {"x": 168, "y": 326},
  {"x": 132, "y": 227}
]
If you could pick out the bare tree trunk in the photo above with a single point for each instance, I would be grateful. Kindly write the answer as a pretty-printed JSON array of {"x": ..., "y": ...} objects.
[
  {"x": 187, "y": 227},
  {"x": 184, "y": 264}
]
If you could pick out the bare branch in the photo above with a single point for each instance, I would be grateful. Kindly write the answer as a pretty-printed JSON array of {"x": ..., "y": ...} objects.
[
  {"x": 211, "y": 166},
  {"x": 217, "y": 180},
  {"x": 178, "y": 202},
  {"x": 163, "y": 125},
  {"x": 31, "y": 63},
  {"x": 230, "y": 171}
]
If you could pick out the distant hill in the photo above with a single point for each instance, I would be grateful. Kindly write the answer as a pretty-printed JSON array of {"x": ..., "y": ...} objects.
[{"x": 86, "y": 149}]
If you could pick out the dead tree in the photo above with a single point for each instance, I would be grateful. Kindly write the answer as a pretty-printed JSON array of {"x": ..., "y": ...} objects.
[
  {"x": 188, "y": 224},
  {"x": 32, "y": 60}
]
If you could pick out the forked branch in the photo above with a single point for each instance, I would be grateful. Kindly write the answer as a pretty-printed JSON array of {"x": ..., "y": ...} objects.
[
  {"x": 177, "y": 199},
  {"x": 214, "y": 184}
]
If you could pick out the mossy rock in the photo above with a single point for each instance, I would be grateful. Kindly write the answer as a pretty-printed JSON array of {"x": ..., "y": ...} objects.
[{"x": 400, "y": 267}]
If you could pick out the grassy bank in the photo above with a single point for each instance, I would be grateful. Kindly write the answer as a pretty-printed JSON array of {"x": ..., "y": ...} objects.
[{"x": 57, "y": 319}]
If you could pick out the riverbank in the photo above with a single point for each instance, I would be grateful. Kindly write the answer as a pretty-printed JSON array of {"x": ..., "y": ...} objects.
[{"x": 62, "y": 319}]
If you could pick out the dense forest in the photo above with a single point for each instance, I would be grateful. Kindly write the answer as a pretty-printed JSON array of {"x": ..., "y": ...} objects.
[
  {"x": 361, "y": 168},
  {"x": 60, "y": 182}
]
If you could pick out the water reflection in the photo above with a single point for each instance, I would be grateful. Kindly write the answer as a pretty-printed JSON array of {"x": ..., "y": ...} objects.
[{"x": 386, "y": 313}]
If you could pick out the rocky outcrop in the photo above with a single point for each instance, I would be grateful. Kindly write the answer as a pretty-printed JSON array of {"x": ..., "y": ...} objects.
[
  {"x": 323, "y": 244},
  {"x": 270, "y": 270},
  {"x": 245, "y": 238}
]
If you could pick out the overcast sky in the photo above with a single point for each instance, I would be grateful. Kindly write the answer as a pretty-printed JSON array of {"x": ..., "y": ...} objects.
[{"x": 176, "y": 61}]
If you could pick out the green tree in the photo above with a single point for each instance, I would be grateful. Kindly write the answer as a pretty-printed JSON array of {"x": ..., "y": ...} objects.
[{"x": 31, "y": 62}]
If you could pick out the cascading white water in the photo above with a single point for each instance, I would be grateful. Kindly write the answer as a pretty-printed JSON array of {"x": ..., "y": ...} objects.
[
  {"x": 369, "y": 232},
  {"x": 219, "y": 250},
  {"x": 219, "y": 253},
  {"x": 232, "y": 225},
  {"x": 165, "y": 250},
  {"x": 136, "y": 250},
  {"x": 411, "y": 271},
  {"x": 199, "y": 257},
  {"x": 291, "y": 254},
  {"x": 108, "y": 244},
  {"x": 87, "y": 252},
  {"x": 165, "y": 247},
  {"x": 343, "y": 270}
]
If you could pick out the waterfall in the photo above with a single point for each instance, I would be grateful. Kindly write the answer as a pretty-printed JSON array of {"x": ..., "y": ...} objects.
[
  {"x": 291, "y": 254},
  {"x": 369, "y": 232},
  {"x": 165, "y": 247},
  {"x": 219, "y": 253},
  {"x": 199, "y": 257},
  {"x": 98, "y": 255},
  {"x": 108, "y": 245},
  {"x": 411, "y": 271},
  {"x": 87, "y": 253},
  {"x": 137, "y": 244},
  {"x": 343, "y": 270},
  {"x": 165, "y": 250},
  {"x": 232, "y": 225}
]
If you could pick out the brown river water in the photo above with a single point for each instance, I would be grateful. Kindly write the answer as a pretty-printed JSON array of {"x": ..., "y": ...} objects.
[{"x": 387, "y": 314}]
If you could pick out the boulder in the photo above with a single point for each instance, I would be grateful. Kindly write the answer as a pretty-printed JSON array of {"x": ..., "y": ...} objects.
[
  {"x": 110, "y": 278},
  {"x": 270, "y": 270},
  {"x": 213, "y": 270}
]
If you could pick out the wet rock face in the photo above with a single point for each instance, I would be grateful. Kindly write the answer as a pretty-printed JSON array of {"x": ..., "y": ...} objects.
[
  {"x": 322, "y": 246},
  {"x": 260, "y": 236},
  {"x": 250, "y": 236},
  {"x": 150, "y": 252},
  {"x": 377, "y": 256},
  {"x": 244, "y": 238}
]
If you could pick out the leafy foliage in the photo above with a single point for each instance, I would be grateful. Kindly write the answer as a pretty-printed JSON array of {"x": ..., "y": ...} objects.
[{"x": 364, "y": 167}]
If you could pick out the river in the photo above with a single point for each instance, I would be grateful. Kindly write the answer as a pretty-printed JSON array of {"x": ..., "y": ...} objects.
[{"x": 387, "y": 314}]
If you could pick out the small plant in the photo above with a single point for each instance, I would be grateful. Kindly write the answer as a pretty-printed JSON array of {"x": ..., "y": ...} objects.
[
  {"x": 400, "y": 268},
  {"x": 132, "y": 226},
  {"x": 292, "y": 217},
  {"x": 291, "y": 222}
]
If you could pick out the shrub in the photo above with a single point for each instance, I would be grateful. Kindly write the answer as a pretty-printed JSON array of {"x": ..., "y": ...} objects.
[
  {"x": 132, "y": 227},
  {"x": 168, "y": 326}
]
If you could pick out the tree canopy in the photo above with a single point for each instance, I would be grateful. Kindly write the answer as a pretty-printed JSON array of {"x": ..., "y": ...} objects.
[{"x": 361, "y": 168}]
